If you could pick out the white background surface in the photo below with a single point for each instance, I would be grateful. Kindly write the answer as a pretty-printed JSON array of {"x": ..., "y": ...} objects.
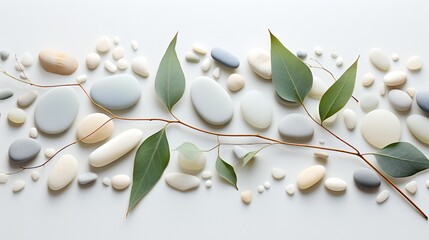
[{"x": 98, "y": 212}]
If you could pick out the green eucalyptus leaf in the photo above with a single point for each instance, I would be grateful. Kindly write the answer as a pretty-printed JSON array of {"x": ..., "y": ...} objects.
[
  {"x": 337, "y": 96},
  {"x": 170, "y": 80},
  {"x": 226, "y": 172},
  {"x": 401, "y": 159},
  {"x": 150, "y": 161},
  {"x": 189, "y": 151},
  {"x": 292, "y": 78}
]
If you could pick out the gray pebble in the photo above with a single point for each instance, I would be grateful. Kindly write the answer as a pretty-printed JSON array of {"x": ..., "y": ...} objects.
[
  {"x": 4, "y": 55},
  {"x": 23, "y": 150},
  {"x": 27, "y": 99},
  {"x": 225, "y": 58},
  {"x": 366, "y": 178},
  {"x": 296, "y": 126},
  {"x": 422, "y": 99},
  {"x": 5, "y": 94},
  {"x": 301, "y": 54},
  {"x": 85, "y": 178}
]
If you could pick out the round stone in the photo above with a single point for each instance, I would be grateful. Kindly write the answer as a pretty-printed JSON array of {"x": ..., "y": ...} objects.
[
  {"x": 181, "y": 181},
  {"x": 366, "y": 178},
  {"x": 91, "y": 129},
  {"x": 414, "y": 63},
  {"x": 318, "y": 51},
  {"x": 368, "y": 79},
  {"x": 368, "y": 102},
  {"x": 27, "y": 59},
  {"x": 301, "y": 54},
  {"x": 380, "y": 128},
  {"x": 296, "y": 126},
  {"x": 246, "y": 197},
  {"x": 400, "y": 100},
  {"x": 418, "y": 126},
  {"x": 235, "y": 82},
  {"x": 224, "y": 57},
  {"x": 5, "y": 94},
  {"x": 23, "y": 150},
  {"x": 4, "y": 55},
  {"x": 318, "y": 88},
  {"x": 256, "y": 109},
  {"x": 116, "y": 92},
  {"x": 103, "y": 44},
  {"x": 118, "y": 53},
  {"x": 260, "y": 62},
  {"x": 92, "y": 60},
  {"x": 379, "y": 59},
  {"x": 422, "y": 99},
  {"x": 16, "y": 116},
  {"x": 56, "y": 110},
  {"x": 35, "y": 175}
]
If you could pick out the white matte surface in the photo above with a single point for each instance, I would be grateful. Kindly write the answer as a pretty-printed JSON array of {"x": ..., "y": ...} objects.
[{"x": 350, "y": 28}]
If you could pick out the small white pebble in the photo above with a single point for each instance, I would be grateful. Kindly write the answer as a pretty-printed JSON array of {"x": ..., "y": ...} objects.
[
  {"x": 334, "y": 54},
  {"x": 206, "y": 175},
  {"x": 82, "y": 78},
  {"x": 18, "y": 185},
  {"x": 368, "y": 79},
  {"x": 318, "y": 51},
  {"x": 339, "y": 62},
  {"x": 411, "y": 187},
  {"x": 322, "y": 142},
  {"x": 118, "y": 53},
  {"x": 278, "y": 173},
  {"x": 4, "y": 178},
  {"x": 192, "y": 57},
  {"x": 411, "y": 91},
  {"x": 261, "y": 189},
  {"x": 116, "y": 40},
  {"x": 206, "y": 64},
  {"x": 33, "y": 132},
  {"x": 92, "y": 60},
  {"x": 27, "y": 59},
  {"x": 239, "y": 152},
  {"x": 35, "y": 175},
  {"x": 103, "y": 44},
  {"x": 246, "y": 196},
  {"x": 106, "y": 181},
  {"x": 427, "y": 183},
  {"x": 200, "y": 49},
  {"x": 216, "y": 73},
  {"x": 49, "y": 152},
  {"x": 382, "y": 196},
  {"x": 208, "y": 183},
  {"x": 109, "y": 66},
  {"x": 395, "y": 57},
  {"x": 122, "y": 64},
  {"x": 267, "y": 185},
  {"x": 235, "y": 82},
  {"x": 382, "y": 89},
  {"x": 135, "y": 45},
  {"x": 321, "y": 154},
  {"x": 23, "y": 75},
  {"x": 19, "y": 67},
  {"x": 414, "y": 63},
  {"x": 290, "y": 189}
]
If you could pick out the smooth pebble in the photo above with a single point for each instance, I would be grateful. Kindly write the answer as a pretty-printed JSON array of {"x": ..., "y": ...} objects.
[
  {"x": 259, "y": 61},
  {"x": 427, "y": 184},
  {"x": 192, "y": 57},
  {"x": 200, "y": 49},
  {"x": 379, "y": 59},
  {"x": 334, "y": 54},
  {"x": 109, "y": 66},
  {"x": 395, "y": 78},
  {"x": 256, "y": 109},
  {"x": 239, "y": 152},
  {"x": 122, "y": 64},
  {"x": 411, "y": 187},
  {"x": 235, "y": 82},
  {"x": 35, "y": 175},
  {"x": 57, "y": 62},
  {"x": 335, "y": 184},
  {"x": 382, "y": 196},
  {"x": 329, "y": 120},
  {"x": 290, "y": 189},
  {"x": 116, "y": 40},
  {"x": 368, "y": 102},
  {"x": 318, "y": 51},
  {"x": 400, "y": 100},
  {"x": 115, "y": 148},
  {"x": 206, "y": 175},
  {"x": 92, "y": 60},
  {"x": 267, "y": 185},
  {"x": 310, "y": 176},
  {"x": 350, "y": 118},
  {"x": 26, "y": 99},
  {"x": 212, "y": 103},
  {"x": 224, "y": 57},
  {"x": 63, "y": 173},
  {"x": 195, "y": 163},
  {"x": 418, "y": 126},
  {"x": 118, "y": 53},
  {"x": 16, "y": 115},
  {"x": 216, "y": 73},
  {"x": 368, "y": 79},
  {"x": 4, "y": 55},
  {"x": 106, "y": 181},
  {"x": 5, "y": 94},
  {"x": 411, "y": 91},
  {"x": 103, "y": 44},
  {"x": 120, "y": 181},
  {"x": 134, "y": 45},
  {"x": 19, "y": 67},
  {"x": 395, "y": 57},
  {"x": 23, "y": 150},
  {"x": 382, "y": 89},
  {"x": 206, "y": 64},
  {"x": 140, "y": 66},
  {"x": 278, "y": 173},
  {"x": 181, "y": 181},
  {"x": 246, "y": 197},
  {"x": 339, "y": 61},
  {"x": 91, "y": 129},
  {"x": 422, "y": 99},
  {"x": 380, "y": 128},
  {"x": 27, "y": 59},
  {"x": 261, "y": 189},
  {"x": 4, "y": 178},
  {"x": 318, "y": 88},
  {"x": 87, "y": 177},
  {"x": 208, "y": 183},
  {"x": 366, "y": 178},
  {"x": 49, "y": 152},
  {"x": 321, "y": 154},
  {"x": 18, "y": 185},
  {"x": 81, "y": 78},
  {"x": 296, "y": 126},
  {"x": 414, "y": 63}
]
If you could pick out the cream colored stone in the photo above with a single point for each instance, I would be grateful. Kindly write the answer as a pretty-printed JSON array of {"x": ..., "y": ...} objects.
[
  {"x": 57, "y": 62},
  {"x": 235, "y": 82},
  {"x": 120, "y": 182},
  {"x": 368, "y": 79},
  {"x": 140, "y": 66},
  {"x": 118, "y": 53},
  {"x": 336, "y": 184},
  {"x": 246, "y": 197},
  {"x": 103, "y": 44},
  {"x": 16, "y": 116},
  {"x": 63, "y": 173},
  {"x": 89, "y": 125},
  {"x": 92, "y": 60},
  {"x": 414, "y": 63},
  {"x": 310, "y": 176},
  {"x": 18, "y": 185}
]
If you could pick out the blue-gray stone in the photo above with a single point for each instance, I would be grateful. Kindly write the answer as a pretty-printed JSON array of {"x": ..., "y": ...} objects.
[
  {"x": 296, "y": 126},
  {"x": 56, "y": 110},
  {"x": 5, "y": 94},
  {"x": 87, "y": 177},
  {"x": 225, "y": 58},
  {"x": 366, "y": 178},
  {"x": 422, "y": 99},
  {"x": 23, "y": 150},
  {"x": 301, "y": 54},
  {"x": 4, "y": 55},
  {"x": 116, "y": 92}
]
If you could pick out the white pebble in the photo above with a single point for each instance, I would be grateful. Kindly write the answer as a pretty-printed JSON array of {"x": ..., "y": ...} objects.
[
  {"x": 216, "y": 73},
  {"x": 239, "y": 152},
  {"x": 82, "y": 78},
  {"x": 192, "y": 57},
  {"x": 92, "y": 60},
  {"x": 181, "y": 181},
  {"x": 411, "y": 91},
  {"x": 318, "y": 51},
  {"x": 368, "y": 102},
  {"x": 206, "y": 175},
  {"x": 395, "y": 78},
  {"x": 267, "y": 185},
  {"x": 208, "y": 184},
  {"x": 411, "y": 187},
  {"x": 19, "y": 66},
  {"x": 335, "y": 184},
  {"x": 414, "y": 63},
  {"x": 116, "y": 40},
  {"x": 322, "y": 142},
  {"x": 135, "y": 45},
  {"x": 321, "y": 154},
  {"x": 235, "y": 82},
  {"x": 27, "y": 60},
  {"x": 349, "y": 117},
  {"x": 63, "y": 172},
  {"x": 118, "y": 53},
  {"x": 290, "y": 189},
  {"x": 122, "y": 64},
  {"x": 33, "y": 132},
  {"x": 109, "y": 66},
  {"x": 246, "y": 196},
  {"x": 382, "y": 89},
  {"x": 4, "y": 178},
  {"x": 368, "y": 79},
  {"x": 35, "y": 175},
  {"x": 206, "y": 64},
  {"x": 395, "y": 57},
  {"x": 49, "y": 152},
  {"x": 334, "y": 54},
  {"x": 278, "y": 173},
  {"x": 139, "y": 65},
  {"x": 200, "y": 49},
  {"x": 16, "y": 115},
  {"x": 382, "y": 196},
  {"x": 339, "y": 62},
  {"x": 261, "y": 189},
  {"x": 120, "y": 181},
  {"x": 379, "y": 59},
  {"x": 106, "y": 181},
  {"x": 103, "y": 44},
  {"x": 427, "y": 183},
  {"x": 23, "y": 75},
  {"x": 18, "y": 185}
]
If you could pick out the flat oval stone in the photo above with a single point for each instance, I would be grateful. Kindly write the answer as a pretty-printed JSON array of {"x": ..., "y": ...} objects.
[
  {"x": 92, "y": 123},
  {"x": 335, "y": 184},
  {"x": 17, "y": 116},
  {"x": 256, "y": 109},
  {"x": 57, "y": 62},
  {"x": 181, "y": 181},
  {"x": 400, "y": 100},
  {"x": 395, "y": 78},
  {"x": 310, "y": 176},
  {"x": 63, "y": 173},
  {"x": 260, "y": 62},
  {"x": 116, "y": 92},
  {"x": 27, "y": 59},
  {"x": 118, "y": 53},
  {"x": 379, "y": 59},
  {"x": 35, "y": 175},
  {"x": 87, "y": 177},
  {"x": 5, "y": 94},
  {"x": 56, "y": 110},
  {"x": 192, "y": 57},
  {"x": 192, "y": 164},
  {"x": 368, "y": 102},
  {"x": 120, "y": 181},
  {"x": 380, "y": 128},
  {"x": 27, "y": 99},
  {"x": 318, "y": 88},
  {"x": 368, "y": 79},
  {"x": 382, "y": 196},
  {"x": 349, "y": 117},
  {"x": 278, "y": 173},
  {"x": 92, "y": 60},
  {"x": 23, "y": 150},
  {"x": 115, "y": 148},
  {"x": 224, "y": 57},
  {"x": 211, "y": 101},
  {"x": 4, "y": 178},
  {"x": 301, "y": 54},
  {"x": 422, "y": 99},
  {"x": 414, "y": 63},
  {"x": 295, "y": 126},
  {"x": 366, "y": 178},
  {"x": 418, "y": 126},
  {"x": 139, "y": 65}
]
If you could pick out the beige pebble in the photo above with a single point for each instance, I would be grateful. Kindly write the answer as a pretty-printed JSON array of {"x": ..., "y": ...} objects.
[
  {"x": 33, "y": 132},
  {"x": 63, "y": 172},
  {"x": 82, "y": 78},
  {"x": 103, "y": 44},
  {"x": 192, "y": 57},
  {"x": 16, "y": 115},
  {"x": 235, "y": 82},
  {"x": 395, "y": 57},
  {"x": 57, "y": 62},
  {"x": 414, "y": 63},
  {"x": 49, "y": 152},
  {"x": 118, "y": 53},
  {"x": 120, "y": 182},
  {"x": 310, "y": 176},
  {"x": 200, "y": 49},
  {"x": 91, "y": 123},
  {"x": 411, "y": 92},
  {"x": 4, "y": 177},
  {"x": 18, "y": 185},
  {"x": 246, "y": 197},
  {"x": 139, "y": 65},
  {"x": 321, "y": 154},
  {"x": 368, "y": 79},
  {"x": 35, "y": 175},
  {"x": 92, "y": 60},
  {"x": 122, "y": 64},
  {"x": 109, "y": 66},
  {"x": 382, "y": 196}
]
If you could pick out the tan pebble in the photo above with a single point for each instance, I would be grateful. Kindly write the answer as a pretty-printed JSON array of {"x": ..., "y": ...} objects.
[
  {"x": 18, "y": 185},
  {"x": 49, "y": 152},
  {"x": 200, "y": 49},
  {"x": 235, "y": 82},
  {"x": 91, "y": 123},
  {"x": 246, "y": 197},
  {"x": 122, "y": 64},
  {"x": 16, "y": 115},
  {"x": 120, "y": 182},
  {"x": 414, "y": 63},
  {"x": 57, "y": 62},
  {"x": 310, "y": 176}
]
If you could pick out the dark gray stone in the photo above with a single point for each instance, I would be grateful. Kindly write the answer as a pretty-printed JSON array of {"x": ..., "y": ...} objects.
[
  {"x": 5, "y": 94},
  {"x": 225, "y": 58},
  {"x": 4, "y": 55},
  {"x": 366, "y": 178},
  {"x": 422, "y": 99},
  {"x": 23, "y": 150}
]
